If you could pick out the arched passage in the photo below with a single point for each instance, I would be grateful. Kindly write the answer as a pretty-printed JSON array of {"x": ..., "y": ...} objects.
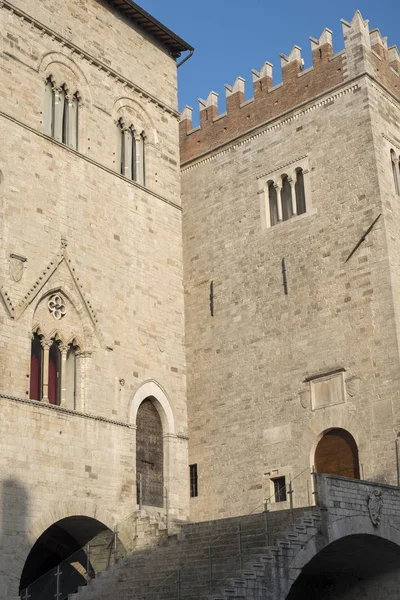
[
  {"x": 149, "y": 454},
  {"x": 66, "y": 542},
  {"x": 337, "y": 454},
  {"x": 352, "y": 568}
]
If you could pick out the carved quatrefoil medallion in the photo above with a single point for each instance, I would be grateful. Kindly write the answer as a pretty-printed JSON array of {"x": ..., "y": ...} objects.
[{"x": 57, "y": 306}]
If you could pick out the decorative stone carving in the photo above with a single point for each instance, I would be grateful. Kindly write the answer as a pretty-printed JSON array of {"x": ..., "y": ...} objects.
[
  {"x": 375, "y": 507},
  {"x": 56, "y": 306},
  {"x": 17, "y": 267},
  {"x": 352, "y": 386}
]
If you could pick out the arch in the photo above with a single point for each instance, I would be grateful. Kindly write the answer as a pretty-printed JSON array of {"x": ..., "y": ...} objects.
[
  {"x": 64, "y": 542},
  {"x": 337, "y": 454},
  {"x": 132, "y": 112},
  {"x": 151, "y": 389},
  {"x": 64, "y": 71},
  {"x": 340, "y": 529},
  {"x": 56, "y": 513}
]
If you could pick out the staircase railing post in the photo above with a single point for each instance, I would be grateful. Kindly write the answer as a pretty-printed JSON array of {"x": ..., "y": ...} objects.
[
  {"x": 115, "y": 535},
  {"x": 266, "y": 523},
  {"x": 57, "y": 576},
  {"x": 140, "y": 491},
  {"x": 210, "y": 568},
  {"x": 240, "y": 545},
  {"x": 167, "y": 508},
  {"x": 315, "y": 486},
  {"x": 88, "y": 562},
  {"x": 290, "y": 494},
  {"x": 178, "y": 584}
]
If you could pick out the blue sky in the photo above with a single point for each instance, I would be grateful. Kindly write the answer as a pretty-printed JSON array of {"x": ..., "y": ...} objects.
[{"x": 231, "y": 37}]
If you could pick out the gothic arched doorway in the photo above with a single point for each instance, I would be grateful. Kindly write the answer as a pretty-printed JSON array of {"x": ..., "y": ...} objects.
[
  {"x": 337, "y": 454},
  {"x": 149, "y": 455}
]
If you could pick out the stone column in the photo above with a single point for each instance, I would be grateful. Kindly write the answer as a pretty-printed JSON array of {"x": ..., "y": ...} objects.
[
  {"x": 293, "y": 192},
  {"x": 72, "y": 124},
  {"x": 138, "y": 159},
  {"x": 46, "y": 344},
  {"x": 279, "y": 200},
  {"x": 63, "y": 369},
  {"x": 127, "y": 133},
  {"x": 59, "y": 100}
]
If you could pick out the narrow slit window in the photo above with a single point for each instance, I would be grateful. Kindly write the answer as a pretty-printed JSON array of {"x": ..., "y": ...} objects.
[
  {"x": 194, "y": 488},
  {"x": 395, "y": 171},
  {"x": 280, "y": 493}
]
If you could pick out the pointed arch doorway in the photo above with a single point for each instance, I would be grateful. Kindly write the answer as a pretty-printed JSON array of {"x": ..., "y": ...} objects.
[{"x": 149, "y": 455}]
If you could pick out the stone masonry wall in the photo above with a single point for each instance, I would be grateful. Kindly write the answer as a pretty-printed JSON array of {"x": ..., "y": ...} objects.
[
  {"x": 110, "y": 246},
  {"x": 251, "y": 413}
]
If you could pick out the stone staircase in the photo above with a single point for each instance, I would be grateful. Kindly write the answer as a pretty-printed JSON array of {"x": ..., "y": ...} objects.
[{"x": 179, "y": 566}]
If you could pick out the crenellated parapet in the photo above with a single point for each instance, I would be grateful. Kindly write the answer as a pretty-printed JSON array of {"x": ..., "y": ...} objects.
[{"x": 364, "y": 51}]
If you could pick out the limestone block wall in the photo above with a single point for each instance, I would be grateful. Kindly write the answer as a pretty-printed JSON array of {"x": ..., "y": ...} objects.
[
  {"x": 252, "y": 409},
  {"x": 55, "y": 464},
  {"x": 70, "y": 224},
  {"x": 385, "y": 112}
]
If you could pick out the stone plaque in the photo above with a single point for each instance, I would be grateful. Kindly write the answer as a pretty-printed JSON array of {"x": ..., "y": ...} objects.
[{"x": 327, "y": 390}]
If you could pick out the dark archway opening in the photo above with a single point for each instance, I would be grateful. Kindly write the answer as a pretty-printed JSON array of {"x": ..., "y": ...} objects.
[
  {"x": 149, "y": 455},
  {"x": 353, "y": 568},
  {"x": 337, "y": 454},
  {"x": 66, "y": 543}
]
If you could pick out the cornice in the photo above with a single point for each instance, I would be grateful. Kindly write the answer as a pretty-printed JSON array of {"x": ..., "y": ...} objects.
[
  {"x": 89, "y": 160},
  {"x": 391, "y": 141},
  {"x": 44, "y": 29},
  {"x": 64, "y": 411}
]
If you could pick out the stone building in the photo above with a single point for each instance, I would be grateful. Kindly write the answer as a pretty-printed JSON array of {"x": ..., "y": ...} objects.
[
  {"x": 296, "y": 361},
  {"x": 240, "y": 443},
  {"x": 92, "y": 342}
]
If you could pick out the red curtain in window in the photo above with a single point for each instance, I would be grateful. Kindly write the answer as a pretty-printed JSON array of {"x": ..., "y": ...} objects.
[
  {"x": 53, "y": 374},
  {"x": 36, "y": 369}
]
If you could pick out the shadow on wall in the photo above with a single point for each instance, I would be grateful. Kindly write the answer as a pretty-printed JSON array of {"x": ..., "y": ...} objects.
[{"x": 14, "y": 519}]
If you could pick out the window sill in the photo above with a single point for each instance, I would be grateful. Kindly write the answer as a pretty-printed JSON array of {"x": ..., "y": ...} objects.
[{"x": 296, "y": 219}]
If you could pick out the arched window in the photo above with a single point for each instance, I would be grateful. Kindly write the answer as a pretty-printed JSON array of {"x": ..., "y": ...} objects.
[
  {"x": 142, "y": 166},
  {"x": 300, "y": 193},
  {"x": 286, "y": 195},
  {"x": 61, "y": 114},
  {"x": 54, "y": 373},
  {"x": 395, "y": 171},
  {"x": 70, "y": 377},
  {"x": 35, "y": 387},
  {"x": 130, "y": 156},
  {"x": 273, "y": 203}
]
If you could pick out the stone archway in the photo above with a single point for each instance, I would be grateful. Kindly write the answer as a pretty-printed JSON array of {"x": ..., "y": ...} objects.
[
  {"x": 337, "y": 454},
  {"x": 355, "y": 567},
  {"x": 65, "y": 543}
]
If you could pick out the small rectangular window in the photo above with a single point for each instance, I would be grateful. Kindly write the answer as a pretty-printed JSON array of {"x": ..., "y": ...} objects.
[
  {"x": 194, "y": 490},
  {"x": 280, "y": 489}
]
